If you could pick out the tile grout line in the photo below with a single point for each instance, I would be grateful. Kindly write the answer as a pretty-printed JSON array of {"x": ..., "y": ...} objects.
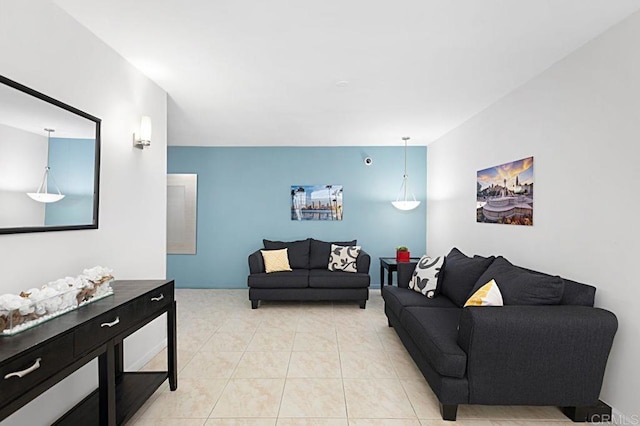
[
  {"x": 286, "y": 373},
  {"x": 228, "y": 380},
  {"x": 344, "y": 390}
]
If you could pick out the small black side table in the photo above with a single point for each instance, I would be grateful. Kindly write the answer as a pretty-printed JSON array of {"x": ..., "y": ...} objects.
[{"x": 391, "y": 265}]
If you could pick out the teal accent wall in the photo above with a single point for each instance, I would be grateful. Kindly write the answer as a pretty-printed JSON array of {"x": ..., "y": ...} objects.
[
  {"x": 244, "y": 196},
  {"x": 72, "y": 163}
]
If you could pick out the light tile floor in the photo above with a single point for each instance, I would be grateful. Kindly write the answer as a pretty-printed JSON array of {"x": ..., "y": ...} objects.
[{"x": 301, "y": 364}]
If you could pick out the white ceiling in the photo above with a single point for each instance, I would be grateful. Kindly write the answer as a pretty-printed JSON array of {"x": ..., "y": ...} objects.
[{"x": 264, "y": 72}]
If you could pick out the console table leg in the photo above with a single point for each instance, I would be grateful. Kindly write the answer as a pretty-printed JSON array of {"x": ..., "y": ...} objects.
[
  {"x": 119, "y": 361},
  {"x": 107, "y": 389},
  {"x": 172, "y": 347}
]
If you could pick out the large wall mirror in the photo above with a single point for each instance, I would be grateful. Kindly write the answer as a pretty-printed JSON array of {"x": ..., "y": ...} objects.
[{"x": 49, "y": 163}]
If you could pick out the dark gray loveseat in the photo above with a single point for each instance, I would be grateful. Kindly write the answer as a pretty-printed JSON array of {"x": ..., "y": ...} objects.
[
  {"x": 546, "y": 354},
  {"x": 310, "y": 278}
]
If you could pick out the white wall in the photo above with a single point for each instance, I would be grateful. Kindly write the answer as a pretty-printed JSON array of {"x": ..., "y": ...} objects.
[
  {"x": 23, "y": 156},
  {"x": 43, "y": 48},
  {"x": 581, "y": 121}
]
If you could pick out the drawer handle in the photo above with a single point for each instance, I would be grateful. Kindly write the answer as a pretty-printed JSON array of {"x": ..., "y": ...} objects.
[
  {"x": 23, "y": 373},
  {"x": 157, "y": 299},
  {"x": 110, "y": 324}
]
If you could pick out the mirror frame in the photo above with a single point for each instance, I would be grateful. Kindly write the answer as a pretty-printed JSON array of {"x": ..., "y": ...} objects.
[{"x": 96, "y": 179}]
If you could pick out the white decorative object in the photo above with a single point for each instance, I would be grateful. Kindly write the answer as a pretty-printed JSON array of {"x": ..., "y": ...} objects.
[{"x": 37, "y": 305}]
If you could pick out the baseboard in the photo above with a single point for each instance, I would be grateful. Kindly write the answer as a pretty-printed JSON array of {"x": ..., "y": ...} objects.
[{"x": 155, "y": 350}]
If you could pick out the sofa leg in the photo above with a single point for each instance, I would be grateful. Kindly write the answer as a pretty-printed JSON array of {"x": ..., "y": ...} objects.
[
  {"x": 448, "y": 411},
  {"x": 389, "y": 323},
  {"x": 254, "y": 304},
  {"x": 363, "y": 304},
  {"x": 599, "y": 413}
]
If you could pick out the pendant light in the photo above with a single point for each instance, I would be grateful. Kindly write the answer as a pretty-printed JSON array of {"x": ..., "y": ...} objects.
[
  {"x": 404, "y": 203},
  {"x": 42, "y": 195}
]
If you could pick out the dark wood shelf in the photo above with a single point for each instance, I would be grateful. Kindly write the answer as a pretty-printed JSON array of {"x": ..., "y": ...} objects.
[{"x": 132, "y": 390}]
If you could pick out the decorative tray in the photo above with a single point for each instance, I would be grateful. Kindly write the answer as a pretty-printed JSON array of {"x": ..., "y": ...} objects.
[{"x": 37, "y": 305}]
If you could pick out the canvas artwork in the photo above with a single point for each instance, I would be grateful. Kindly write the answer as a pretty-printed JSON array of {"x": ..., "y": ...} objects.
[
  {"x": 505, "y": 193},
  {"x": 316, "y": 202}
]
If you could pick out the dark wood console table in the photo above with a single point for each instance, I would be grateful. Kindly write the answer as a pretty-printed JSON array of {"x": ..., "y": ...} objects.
[{"x": 46, "y": 354}]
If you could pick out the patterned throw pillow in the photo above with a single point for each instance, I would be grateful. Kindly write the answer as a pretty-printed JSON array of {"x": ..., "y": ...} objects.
[
  {"x": 275, "y": 260},
  {"x": 487, "y": 295},
  {"x": 343, "y": 258},
  {"x": 425, "y": 277}
]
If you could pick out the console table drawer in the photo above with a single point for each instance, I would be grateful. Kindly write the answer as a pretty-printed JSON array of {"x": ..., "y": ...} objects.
[
  {"x": 155, "y": 300},
  {"x": 91, "y": 334},
  {"x": 35, "y": 366}
]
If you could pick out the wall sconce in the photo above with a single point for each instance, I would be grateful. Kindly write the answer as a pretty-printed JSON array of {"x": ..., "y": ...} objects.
[{"x": 144, "y": 137}]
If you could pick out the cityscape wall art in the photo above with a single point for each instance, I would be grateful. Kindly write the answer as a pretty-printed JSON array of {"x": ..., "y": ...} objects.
[
  {"x": 316, "y": 202},
  {"x": 505, "y": 193}
]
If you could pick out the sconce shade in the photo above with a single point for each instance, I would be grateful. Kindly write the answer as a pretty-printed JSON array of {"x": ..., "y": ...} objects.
[
  {"x": 143, "y": 138},
  {"x": 145, "y": 129}
]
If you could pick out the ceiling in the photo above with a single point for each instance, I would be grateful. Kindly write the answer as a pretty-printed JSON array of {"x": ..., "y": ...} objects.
[
  {"x": 338, "y": 72},
  {"x": 26, "y": 112}
]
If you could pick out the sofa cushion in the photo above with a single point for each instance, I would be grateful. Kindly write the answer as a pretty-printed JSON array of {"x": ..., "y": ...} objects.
[
  {"x": 298, "y": 251},
  {"x": 298, "y": 278},
  {"x": 578, "y": 294},
  {"x": 275, "y": 260},
  {"x": 574, "y": 293},
  {"x": 425, "y": 276},
  {"x": 397, "y": 298},
  {"x": 459, "y": 275},
  {"x": 343, "y": 258},
  {"x": 435, "y": 333},
  {"x": 323, "y": 278},
  {"x": 319, "y": 252},
  {"x": 521, "y": 287}
]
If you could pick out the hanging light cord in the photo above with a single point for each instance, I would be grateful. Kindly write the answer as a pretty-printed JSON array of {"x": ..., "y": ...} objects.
[{"x": 405, "y": 178}]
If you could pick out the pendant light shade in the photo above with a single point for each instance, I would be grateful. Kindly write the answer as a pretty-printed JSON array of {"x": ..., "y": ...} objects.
[
  {"x": 402, "y": 202},
  {"x": 42, "y": 195}
]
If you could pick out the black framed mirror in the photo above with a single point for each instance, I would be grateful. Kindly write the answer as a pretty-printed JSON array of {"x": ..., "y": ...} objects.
[{"x": 49, "y": 163}]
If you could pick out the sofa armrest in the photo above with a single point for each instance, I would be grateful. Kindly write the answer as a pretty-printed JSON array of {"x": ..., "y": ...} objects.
[
  {"x": 363, "y": 262},
  {"x": 405, "y": 271},
  {"x": 256, "y": 262},
  {"x": 536, "y": 355}
]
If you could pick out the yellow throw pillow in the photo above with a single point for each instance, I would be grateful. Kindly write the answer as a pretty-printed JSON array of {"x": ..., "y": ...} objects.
[
  {"x": 487, "y": 295},
  {"x": 276, "y": 260}
]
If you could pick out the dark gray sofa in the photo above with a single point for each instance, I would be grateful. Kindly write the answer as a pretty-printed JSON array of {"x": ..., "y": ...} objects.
[
  {"x": 310, "y": 278},
  {"x": 545, "y": 355}
]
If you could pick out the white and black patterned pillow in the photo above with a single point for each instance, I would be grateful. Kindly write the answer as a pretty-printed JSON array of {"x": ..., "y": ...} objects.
[
  {"x": 343, "y": 258},
  {"x": 425, "y": 277}
]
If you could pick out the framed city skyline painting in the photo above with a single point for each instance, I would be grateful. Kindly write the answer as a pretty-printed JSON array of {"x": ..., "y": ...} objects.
[
  {"x": 316, "y": 202},
  {"x": 505, "y": 193}
]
